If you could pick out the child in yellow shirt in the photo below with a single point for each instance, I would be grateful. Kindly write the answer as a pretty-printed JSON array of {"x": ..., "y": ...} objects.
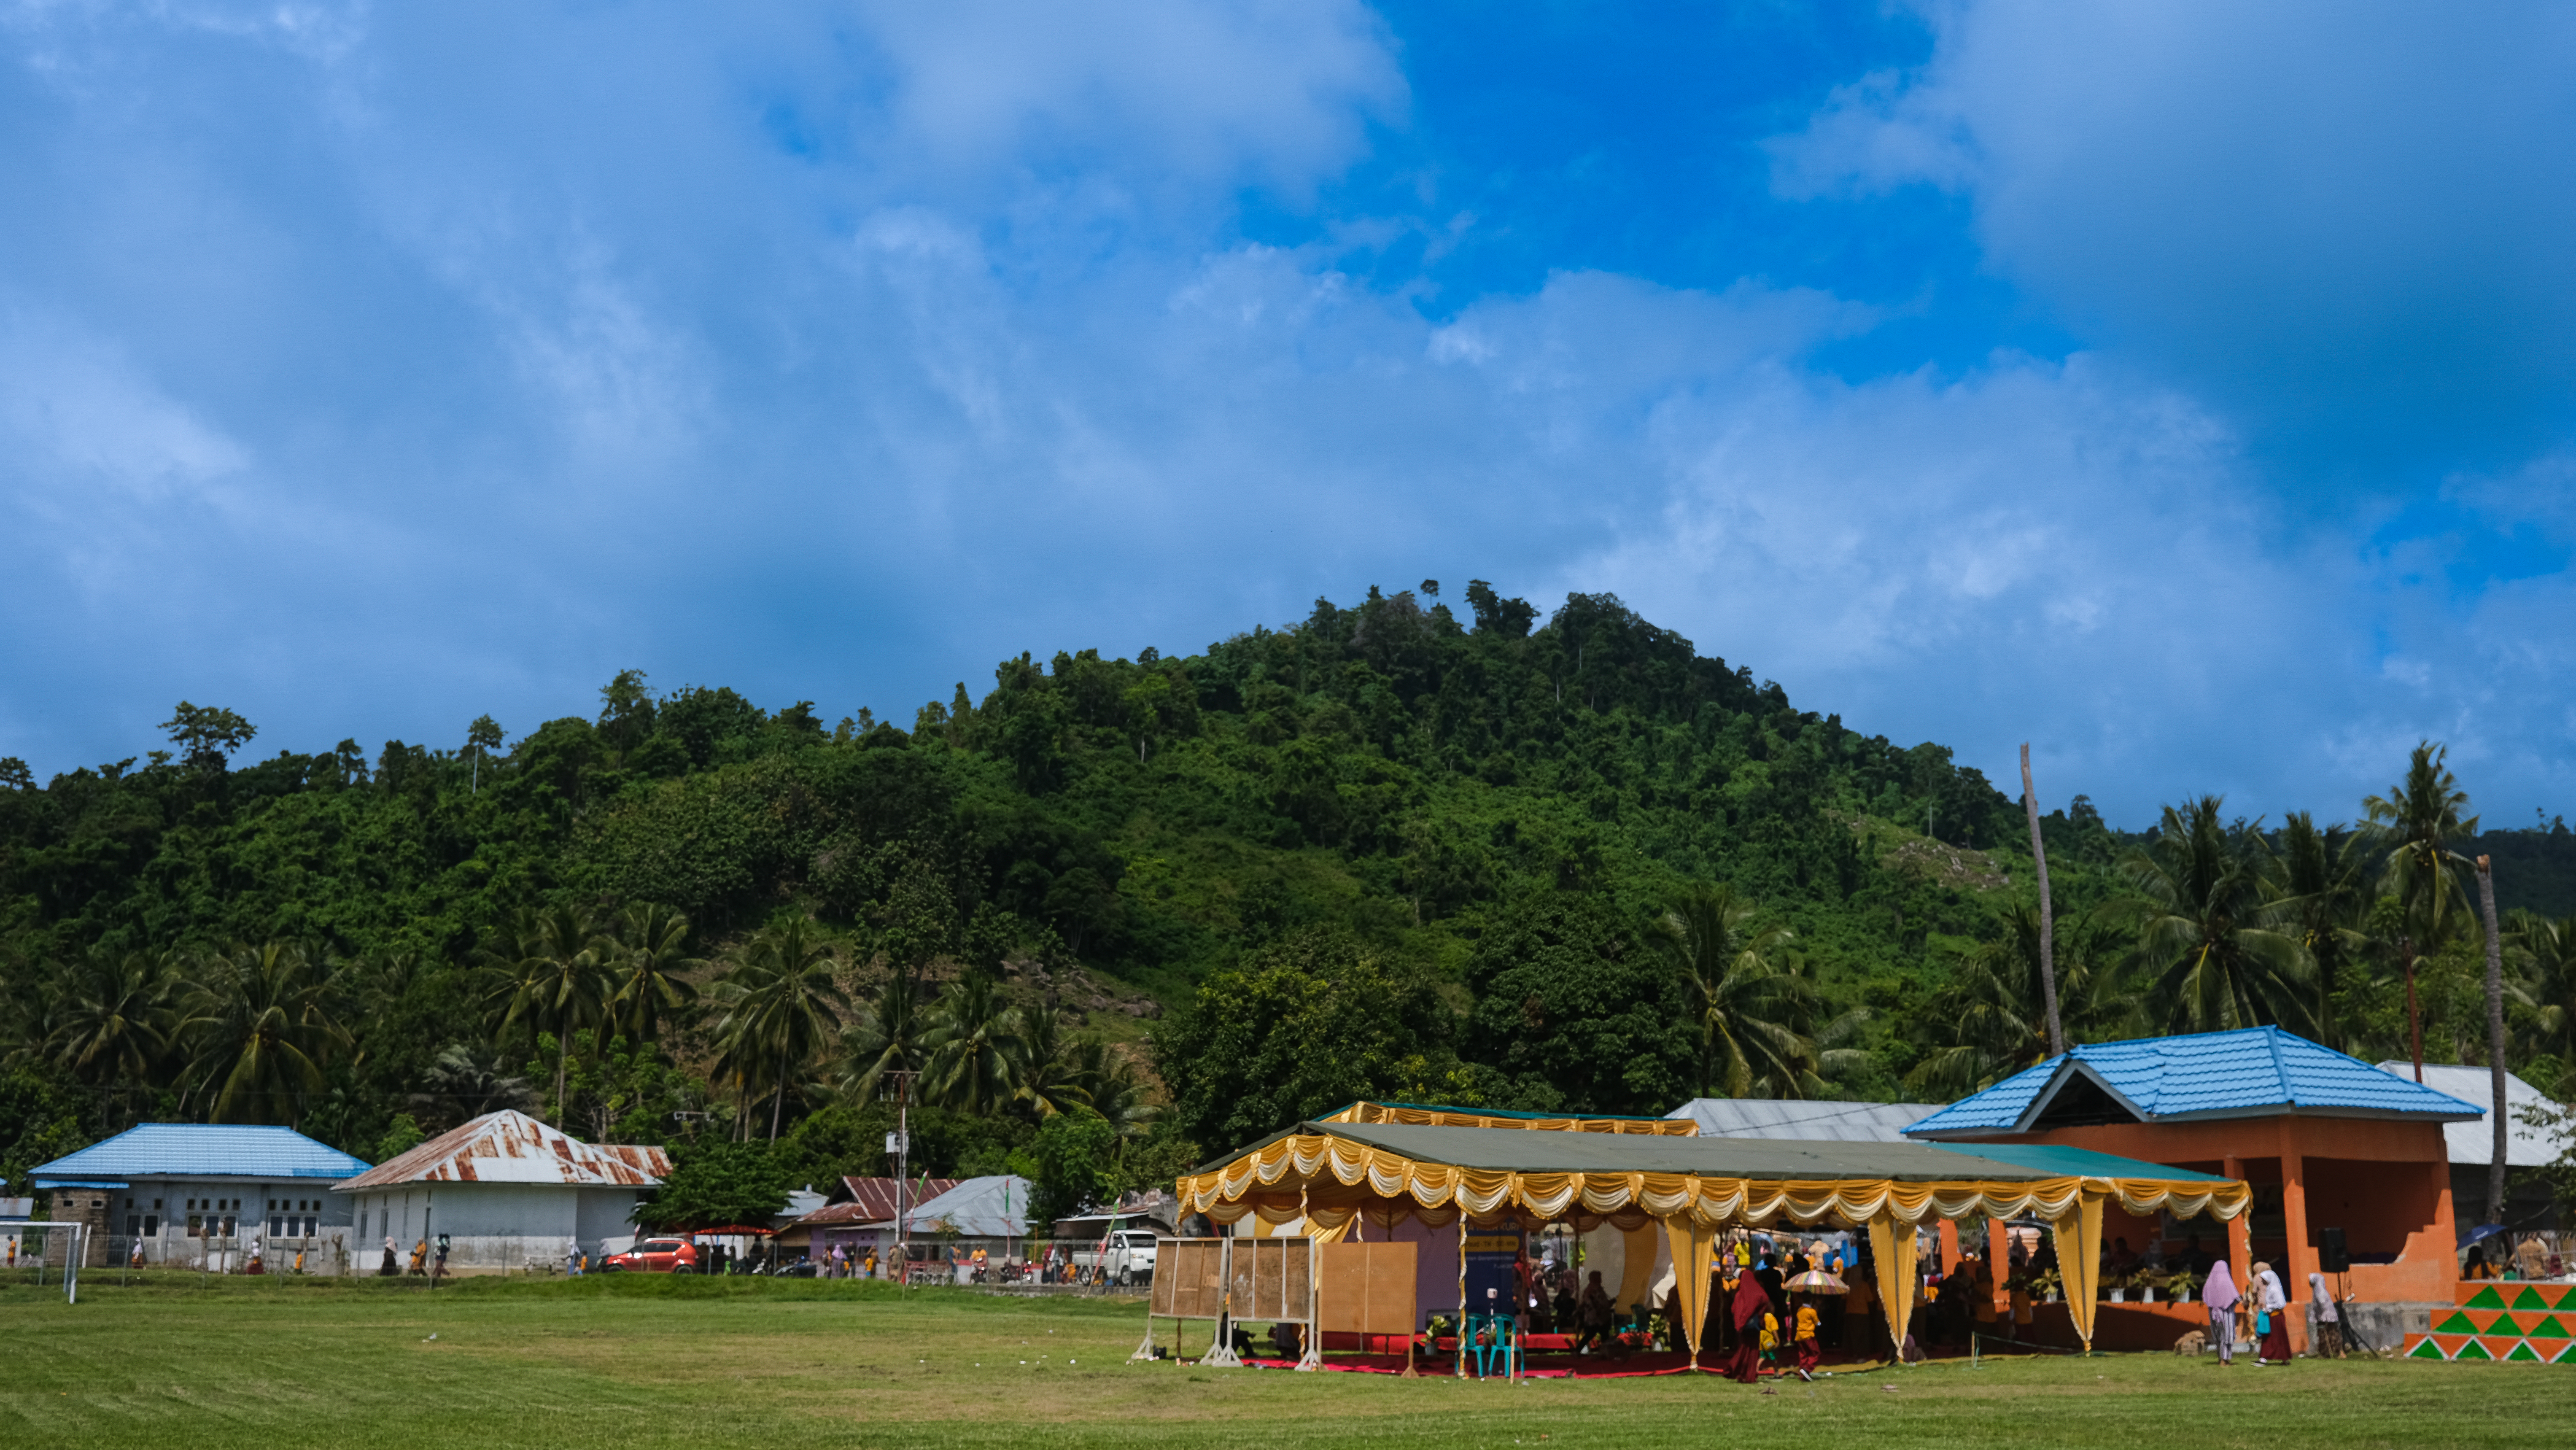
[{"x": 1809, "y": 1349}]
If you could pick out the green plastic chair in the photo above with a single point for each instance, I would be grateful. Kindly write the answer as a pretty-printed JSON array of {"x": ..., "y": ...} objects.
[{"x": 1506, "y": 1345}]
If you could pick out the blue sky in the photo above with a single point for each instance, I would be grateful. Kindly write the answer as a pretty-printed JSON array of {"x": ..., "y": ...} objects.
[{"x": 2184, "y": 388}]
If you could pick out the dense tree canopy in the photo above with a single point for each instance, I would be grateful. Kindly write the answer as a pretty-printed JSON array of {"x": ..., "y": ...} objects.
[{"x": 1559, "y": 862}]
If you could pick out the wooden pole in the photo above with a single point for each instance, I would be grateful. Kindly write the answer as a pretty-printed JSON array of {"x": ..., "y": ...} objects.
[{"x": 2047, "y": 910}]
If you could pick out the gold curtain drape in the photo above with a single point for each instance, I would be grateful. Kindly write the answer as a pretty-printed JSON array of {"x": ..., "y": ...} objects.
[
  {"x": 1891, "y": 1246},
  {"x": 1691, "y": 1242},
  {"x": 2079, "y": 1262},
  {"x": 1636, "y": 1264}
]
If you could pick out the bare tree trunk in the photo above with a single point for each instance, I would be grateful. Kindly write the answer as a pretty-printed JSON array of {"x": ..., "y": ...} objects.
[
  {"x": 2047, "y": 911},
  {"x": 2495, "y": 1041}
]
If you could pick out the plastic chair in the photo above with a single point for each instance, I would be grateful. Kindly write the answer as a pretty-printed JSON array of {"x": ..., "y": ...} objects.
[{"x": 1506, "y": 1343}]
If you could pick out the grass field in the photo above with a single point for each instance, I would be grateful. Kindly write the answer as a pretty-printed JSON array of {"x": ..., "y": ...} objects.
[{"x": 634, "y": 1363}]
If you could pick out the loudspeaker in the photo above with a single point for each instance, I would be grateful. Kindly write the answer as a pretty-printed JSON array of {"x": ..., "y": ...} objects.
[{"x": 2332, "y": 1256}]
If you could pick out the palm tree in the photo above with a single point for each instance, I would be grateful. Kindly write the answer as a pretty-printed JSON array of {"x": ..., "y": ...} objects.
[
  {"x": 2318, "y": 876},
  {"x": 463, "y": 1083},
  {"x": 885, "y": 1038},
  {"x": 1992, "y": 1010},
  {"x": 547, "y": 977},
  {"x": 1737, "y": 995},
  {"x": 2219, "y": 951},
  {"x": 1117, "y": 1091},
  {"x": 1052, "y": 1077},
  {"x": 2415, "y": 824},
  {"x": 648, "y": 961},
  {"x": 2544, "y": 953},
  {"x": 112, "y": 1020},
  {"x": 777, "y": 1008},
  {"x": 259, "y": 1025},
  {"x": 974, "y": 1045}
]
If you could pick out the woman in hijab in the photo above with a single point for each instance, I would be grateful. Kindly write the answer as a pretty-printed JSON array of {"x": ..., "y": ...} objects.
[
  {"x": 1752, "y": 1301},
  {"x": 2221, "y": 1296},
  {"x": 2274, "y": 1301},
  {"x": 2329, "y": 1323}
]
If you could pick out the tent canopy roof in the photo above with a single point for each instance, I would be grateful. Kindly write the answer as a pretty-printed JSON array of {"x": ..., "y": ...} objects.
[{"x": 1512, "y": 1150}]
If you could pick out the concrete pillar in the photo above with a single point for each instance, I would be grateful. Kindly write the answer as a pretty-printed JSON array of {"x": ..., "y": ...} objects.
[
  {"x": 2302, "y": 1258},
  {"x": 1949, "y": 1247},
  {"x": 1999, "y": 1261},
  {"x": 2240, "y": 1245}
]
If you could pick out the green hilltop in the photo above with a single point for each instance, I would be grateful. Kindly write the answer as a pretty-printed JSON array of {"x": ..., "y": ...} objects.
[{"x": 1383, "y": 850}]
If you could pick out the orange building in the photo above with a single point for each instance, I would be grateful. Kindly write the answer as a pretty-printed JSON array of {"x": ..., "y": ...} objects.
[{"x": 2326, "y": 1141}]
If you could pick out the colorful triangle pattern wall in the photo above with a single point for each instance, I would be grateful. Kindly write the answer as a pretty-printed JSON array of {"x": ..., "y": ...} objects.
[{"x": 2507, "y": 1321}]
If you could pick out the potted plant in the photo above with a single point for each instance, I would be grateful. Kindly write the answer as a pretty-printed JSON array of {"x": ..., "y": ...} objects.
[
  {"x": 2047, "y": 1284},
  {"x": 2181, "y": 1282}
]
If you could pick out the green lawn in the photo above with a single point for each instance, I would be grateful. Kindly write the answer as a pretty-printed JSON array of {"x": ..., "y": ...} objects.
[{"x": 636, "y": 1363}]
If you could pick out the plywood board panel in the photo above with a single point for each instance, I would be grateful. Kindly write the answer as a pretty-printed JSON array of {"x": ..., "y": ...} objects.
[{"x": 1189, "y": 1278}]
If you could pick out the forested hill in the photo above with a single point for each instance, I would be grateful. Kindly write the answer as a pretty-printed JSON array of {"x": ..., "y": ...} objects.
[{"x": 1488, "y": 815}]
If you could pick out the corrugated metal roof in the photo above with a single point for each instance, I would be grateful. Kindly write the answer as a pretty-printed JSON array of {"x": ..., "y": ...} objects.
[
  {"x": 511, "y": 1147},
  {"x": 2253, "y": 1072},
  {"x": 2524, "y": 1146},
  {"x": 201, "y": 1150},
  {"x": 977, "y": 1208},
  {"x": 1809, "y": 1121},
  {"x": 872, "y": 1200}
]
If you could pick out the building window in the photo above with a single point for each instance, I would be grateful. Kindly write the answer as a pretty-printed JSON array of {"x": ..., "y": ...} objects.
[{"x": 152, "y": 1221}]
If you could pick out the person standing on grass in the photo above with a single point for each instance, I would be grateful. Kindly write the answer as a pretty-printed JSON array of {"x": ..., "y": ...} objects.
[
  {"x": 2220, "y": 1296},
  {"x": 1752, "y": 1306},
  {"x": 1809, "y": 1351},
  {"x": 2329, "y": 1343},
  {"x": 2272, "y": 1302}
]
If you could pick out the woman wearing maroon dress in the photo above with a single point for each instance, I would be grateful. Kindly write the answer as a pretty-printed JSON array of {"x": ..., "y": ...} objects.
[{"x": 1751, "y": 1303}]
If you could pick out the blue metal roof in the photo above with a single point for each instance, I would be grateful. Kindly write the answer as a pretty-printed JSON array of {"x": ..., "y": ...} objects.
[
  {"x": 200, "y": 1150},
  {"x": 2254, "y": 1072}
]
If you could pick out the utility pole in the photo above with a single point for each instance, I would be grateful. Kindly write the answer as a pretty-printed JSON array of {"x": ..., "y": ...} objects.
[
  {"x": 2047, "y": 912},
  {"x": 2495, "y": 1041},
  {"x": 902, "y": 1146}
]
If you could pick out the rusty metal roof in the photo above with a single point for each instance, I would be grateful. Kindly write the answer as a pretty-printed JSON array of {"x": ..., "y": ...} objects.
[
  {"x": 872, "y": 1200},
  {"x": 511, "y": 1147}
]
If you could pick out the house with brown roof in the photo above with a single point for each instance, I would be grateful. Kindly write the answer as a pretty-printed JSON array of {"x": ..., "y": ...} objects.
[
  {"x": 858, "y": 1215},
  {"x": 509, "y": 1192}
]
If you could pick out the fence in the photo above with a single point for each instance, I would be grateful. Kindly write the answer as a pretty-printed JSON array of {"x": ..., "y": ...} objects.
[{"x": 39, "y": 1252}]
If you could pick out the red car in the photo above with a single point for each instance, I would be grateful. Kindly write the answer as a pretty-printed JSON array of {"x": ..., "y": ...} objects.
[{"x": 654, "y": 1256}]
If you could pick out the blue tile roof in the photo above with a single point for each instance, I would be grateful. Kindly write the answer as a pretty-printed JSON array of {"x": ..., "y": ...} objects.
[
  {"x": 2255, "y": 1072},
  {"x": 201, "y": 1150}
]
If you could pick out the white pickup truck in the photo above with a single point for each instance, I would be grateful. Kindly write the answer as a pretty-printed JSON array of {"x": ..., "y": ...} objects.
[{"x": 1127, "y": 1253}]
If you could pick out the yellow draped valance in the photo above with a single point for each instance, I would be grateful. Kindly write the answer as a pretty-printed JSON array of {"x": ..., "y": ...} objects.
[{"x": 1318, "y": 1164}]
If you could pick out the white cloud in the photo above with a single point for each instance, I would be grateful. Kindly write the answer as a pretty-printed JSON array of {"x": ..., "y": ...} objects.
[
  {"x": 1284, "y": 87},
  {"x": 2344, "y": 221}
]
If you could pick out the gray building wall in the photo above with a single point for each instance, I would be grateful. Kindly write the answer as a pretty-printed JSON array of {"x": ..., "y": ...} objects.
[
  {"x": 491, "y": 1227},
  {"x": 214, "y": 1222}
]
